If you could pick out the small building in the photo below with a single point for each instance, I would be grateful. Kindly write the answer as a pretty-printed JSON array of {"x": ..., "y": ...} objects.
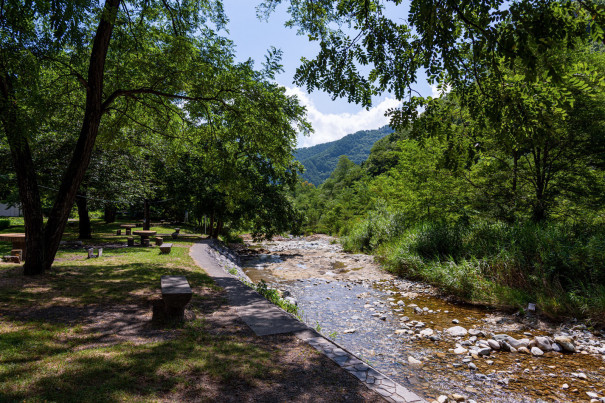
[{"x": 9, "y": 211}]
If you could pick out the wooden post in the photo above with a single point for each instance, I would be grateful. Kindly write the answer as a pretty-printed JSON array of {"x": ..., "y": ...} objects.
[{"x": 130, "y": 241}]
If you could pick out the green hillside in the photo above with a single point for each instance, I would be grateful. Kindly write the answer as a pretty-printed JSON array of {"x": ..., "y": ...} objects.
[{"x": 320, "y": 160}]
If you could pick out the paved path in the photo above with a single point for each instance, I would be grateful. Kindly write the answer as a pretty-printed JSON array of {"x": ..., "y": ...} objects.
[{"x": 264, "y": 318}]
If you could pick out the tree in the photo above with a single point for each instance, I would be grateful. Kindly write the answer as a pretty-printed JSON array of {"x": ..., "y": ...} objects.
[
  {"x": 531, "y": 143},
  {"x": 364, "y": 51},
  {"x": 239, "y": 172},
  {"x": 153, "y": 64}
]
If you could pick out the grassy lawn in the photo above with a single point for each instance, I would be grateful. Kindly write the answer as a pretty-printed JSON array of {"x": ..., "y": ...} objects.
[{"x": 82, "y": 332}]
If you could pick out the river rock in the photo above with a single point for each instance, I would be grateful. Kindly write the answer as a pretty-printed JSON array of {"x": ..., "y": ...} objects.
[
  {"x": 414, "y": 362},
  {"x": 291, "y": 300},
  {"x": 418, "y": 310},
  {"x": 472, "y": 366},
  {"x": 543, "y": 343},
  {"x": 350, "y": 331},
  {"x": 456, "y": 331},
  {"x": 592, "y": 395},
  {"x": 493, "y": 344},
  {"x": 536, "y": 351},
  {"x": 460, "y": 350},
  {"x": 484, "y": 351},
  {"x": 512, "y": 341},
  {"x": 442, "y": 399},
  {"x": 566, "y": 343},
  {"x": 475, "y": 332},
  {"x": 426, "y": 332},
  {"x": 523, "y": 350}
]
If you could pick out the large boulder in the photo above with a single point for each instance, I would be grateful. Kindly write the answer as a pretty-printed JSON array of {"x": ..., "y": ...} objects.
[
  {"x": 543, "y": 343},
  {"x": 566, "y": 343}
]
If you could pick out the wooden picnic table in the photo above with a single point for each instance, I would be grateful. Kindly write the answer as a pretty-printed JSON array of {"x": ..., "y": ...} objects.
[
  {"x": 17, "y": 239},
  {"x": 144, "y": 234}
]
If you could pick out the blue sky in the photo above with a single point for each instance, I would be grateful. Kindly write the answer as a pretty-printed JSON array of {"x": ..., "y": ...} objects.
[{"x": 331, "y": 120}]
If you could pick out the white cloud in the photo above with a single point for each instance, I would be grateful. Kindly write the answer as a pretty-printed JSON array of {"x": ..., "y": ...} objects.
[
  {"x": 331, "y": 127},
  {"x": 435, "y": 93}
]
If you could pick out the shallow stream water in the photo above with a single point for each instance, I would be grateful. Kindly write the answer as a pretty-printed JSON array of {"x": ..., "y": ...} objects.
[{"x": 380, "y": 319}]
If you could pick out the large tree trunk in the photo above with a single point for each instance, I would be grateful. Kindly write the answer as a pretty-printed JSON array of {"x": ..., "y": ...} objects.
[
  {"x": 26, "y": 176},
  {"x": 43, "y": 245},
  {"x": 88, "y": 135},
  {"x": 83, "y": 217}
]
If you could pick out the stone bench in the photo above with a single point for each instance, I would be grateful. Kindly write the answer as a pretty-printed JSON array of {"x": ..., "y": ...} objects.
[
  {"x": 91, "y": 253},
  {"x": 176, "y": 294},
  {"x": 165, "y": 248}
]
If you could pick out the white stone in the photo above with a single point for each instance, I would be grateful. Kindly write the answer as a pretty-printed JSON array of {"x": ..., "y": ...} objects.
[
  {"x": 456, "y": 331},
  {"x": 460, "y": 350},
  {"x": 592, "y": 395},
  {"x": 414, "y": 362},
  {"x": 426, "y": 332}
]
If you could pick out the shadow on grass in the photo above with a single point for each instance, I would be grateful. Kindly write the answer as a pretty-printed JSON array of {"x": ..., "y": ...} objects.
[
  {"x": 82, "y": 333},
  {"x": 198, "y": 366}
]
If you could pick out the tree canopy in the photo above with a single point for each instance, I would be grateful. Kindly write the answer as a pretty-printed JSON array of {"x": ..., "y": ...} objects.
[
  {"x": 372, "y": 47},
  {"x": 128, "y": 72}
]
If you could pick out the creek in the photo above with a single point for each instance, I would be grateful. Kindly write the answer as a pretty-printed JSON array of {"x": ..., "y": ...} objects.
[{"x": 400, "y": 328}]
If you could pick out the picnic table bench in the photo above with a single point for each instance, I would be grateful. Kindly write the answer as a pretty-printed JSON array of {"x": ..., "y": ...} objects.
[
  {"x": 165, "y": 248},
  {"x": 176, "y": 294},
  {"x": 128, "y": 227}
]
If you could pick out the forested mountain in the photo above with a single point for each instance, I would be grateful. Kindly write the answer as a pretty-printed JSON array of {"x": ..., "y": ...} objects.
[{"x": 321, "y": 160}]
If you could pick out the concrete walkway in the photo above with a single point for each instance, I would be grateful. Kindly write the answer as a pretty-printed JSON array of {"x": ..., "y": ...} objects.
[{"x": 264, "y": 318}]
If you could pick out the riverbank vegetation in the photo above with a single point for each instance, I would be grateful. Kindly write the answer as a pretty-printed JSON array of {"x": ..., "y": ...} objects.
[{"x": 494, "y": 193}]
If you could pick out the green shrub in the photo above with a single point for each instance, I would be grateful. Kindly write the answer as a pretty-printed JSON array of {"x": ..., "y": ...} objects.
[
  {"x": 274, "y": 297},
  {"x": 379, "y": 227},
  {"x": 439, "y": 241},
  {"x": 4, "y": 223}
]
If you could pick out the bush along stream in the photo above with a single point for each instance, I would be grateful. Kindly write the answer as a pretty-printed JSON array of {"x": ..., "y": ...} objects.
[{"x": 434, "y": 346}]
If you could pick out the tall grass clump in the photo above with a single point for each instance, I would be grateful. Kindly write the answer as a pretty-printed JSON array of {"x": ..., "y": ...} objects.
[{"x": 560, "y": 267}]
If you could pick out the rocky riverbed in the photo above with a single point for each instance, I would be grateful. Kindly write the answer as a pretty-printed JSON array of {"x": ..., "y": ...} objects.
[{"x": 442, "y": 350}]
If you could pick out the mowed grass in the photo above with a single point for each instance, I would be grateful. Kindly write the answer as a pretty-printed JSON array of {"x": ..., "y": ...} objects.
[{"x": 48, "y": 354}]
